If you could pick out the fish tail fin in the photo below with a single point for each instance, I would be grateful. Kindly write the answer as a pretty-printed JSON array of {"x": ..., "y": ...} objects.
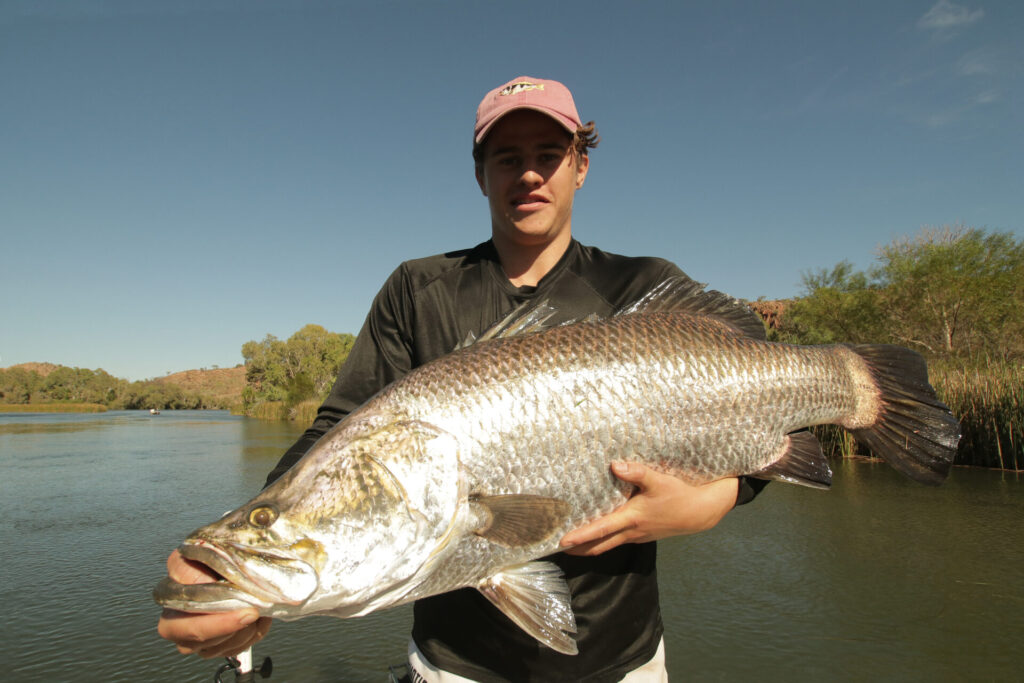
[{"x": 914, "y": 431}]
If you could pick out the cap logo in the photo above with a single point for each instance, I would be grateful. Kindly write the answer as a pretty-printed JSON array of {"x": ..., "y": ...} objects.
[{"x": 521, "y": 86}]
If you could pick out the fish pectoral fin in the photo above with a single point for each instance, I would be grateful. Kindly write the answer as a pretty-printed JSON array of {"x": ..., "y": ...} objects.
[
  {"x": 515, "y": 519},
  {"x": 802, "y": 462},
  {"x": 535, "y": 597}
]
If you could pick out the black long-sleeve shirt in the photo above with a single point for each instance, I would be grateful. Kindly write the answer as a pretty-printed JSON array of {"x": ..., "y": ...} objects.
[{"x": 425, "y": 310}]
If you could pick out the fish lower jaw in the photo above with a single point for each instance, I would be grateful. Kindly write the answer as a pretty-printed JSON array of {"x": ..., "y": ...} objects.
[
  {"x": 218, "y": 596},
  {"x": 245, "y": 585}
]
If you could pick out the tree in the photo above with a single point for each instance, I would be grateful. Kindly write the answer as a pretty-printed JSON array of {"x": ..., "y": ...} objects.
[
  {"x": 18, "y": 385},
  {"x": 955, "y": 292},
  {"x": 840, "y": 305},
  {"x": 266, "y": 376},
  {"x": 950, "y": 292},
  {"x": 295, "y": 370}
]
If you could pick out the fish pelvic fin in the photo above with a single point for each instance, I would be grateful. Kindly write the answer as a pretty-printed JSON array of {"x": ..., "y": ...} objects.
[
  {"x": 536, "y": 598},
  {"x": 683, "y": 295},
  {"x": 514, "y": 520},
  {"x": 914, "y": 431},
  {"x": 802, "y": 462}
]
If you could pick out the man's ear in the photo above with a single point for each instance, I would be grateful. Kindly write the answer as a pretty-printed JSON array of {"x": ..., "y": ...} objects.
[{"x": 582, "y": 166}]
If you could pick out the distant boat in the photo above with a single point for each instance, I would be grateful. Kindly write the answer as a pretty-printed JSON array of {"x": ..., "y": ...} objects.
[{"x": 154, "y": 411}]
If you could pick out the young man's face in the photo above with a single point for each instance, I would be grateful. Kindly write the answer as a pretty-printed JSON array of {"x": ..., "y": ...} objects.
[{"x": 529, "y": 176}]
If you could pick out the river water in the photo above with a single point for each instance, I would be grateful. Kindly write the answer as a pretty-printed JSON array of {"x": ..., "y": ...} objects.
[{"x": 877, "y": 579}]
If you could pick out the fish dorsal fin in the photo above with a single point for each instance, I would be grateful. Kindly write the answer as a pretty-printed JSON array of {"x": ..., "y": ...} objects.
[
  {"x": 683, "y": 295},
  {"x": 515, "y": 520},
  {"x": 536, "y": 598},
  {"x": 529, "y": 316},
  {"x": 802, "y": 462}
]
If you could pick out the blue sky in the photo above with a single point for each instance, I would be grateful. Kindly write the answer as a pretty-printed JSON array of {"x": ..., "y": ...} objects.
[{"x": 177, "y": 178}]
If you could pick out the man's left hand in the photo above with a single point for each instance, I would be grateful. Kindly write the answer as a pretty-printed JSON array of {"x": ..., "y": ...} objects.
[{"x": 662, "y": 506}]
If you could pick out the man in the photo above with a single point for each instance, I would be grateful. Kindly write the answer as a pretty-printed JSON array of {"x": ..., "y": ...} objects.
[{"x": 531, "y": 155}]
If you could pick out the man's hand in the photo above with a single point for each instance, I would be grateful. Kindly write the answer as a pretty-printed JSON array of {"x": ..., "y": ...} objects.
[
  {"x": 662, "y": 506},
  {"x": 222, "y": 634}
]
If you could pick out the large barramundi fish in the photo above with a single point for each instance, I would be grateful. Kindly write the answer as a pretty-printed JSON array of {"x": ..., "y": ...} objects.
[{"x": 474, "y": 465}]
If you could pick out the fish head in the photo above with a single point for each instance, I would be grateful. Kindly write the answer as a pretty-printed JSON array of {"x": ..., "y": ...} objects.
[
  {"x": 345, "y": 531},
  {"x": 262, "y": 559}
]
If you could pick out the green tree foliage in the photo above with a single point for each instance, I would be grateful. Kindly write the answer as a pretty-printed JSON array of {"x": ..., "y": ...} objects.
[
  {"x": 955, "y": 292},
  {"x": 18, "y": 385},
  {"x": 145, "y": 395},
  {"x": 951, "y": 293},
  {"x": 62, "y": 385},
  {"x": 79, "y": 385},
  {"x": 842, "y": 305},
  {"x": 303, "y": 367}
]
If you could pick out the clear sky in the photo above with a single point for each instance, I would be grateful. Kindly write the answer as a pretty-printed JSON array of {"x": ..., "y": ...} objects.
[{"x": 180, "y": 177}]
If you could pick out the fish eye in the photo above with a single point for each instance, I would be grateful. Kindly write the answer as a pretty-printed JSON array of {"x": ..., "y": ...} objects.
[{"x": 262, "y": 516}]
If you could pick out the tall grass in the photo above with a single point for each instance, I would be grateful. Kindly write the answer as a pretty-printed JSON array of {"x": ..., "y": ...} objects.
[
  {"x": 269, "y": 410},
  {"x": 305, "y": 411},
  {"x": 989, "y": 402}
]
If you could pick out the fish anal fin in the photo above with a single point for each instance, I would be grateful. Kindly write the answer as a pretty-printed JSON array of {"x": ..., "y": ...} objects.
[
  {"x": 515, "y": 520},
  {"x": 802, "y": 462},
  {"x": 536, "y": 598}
]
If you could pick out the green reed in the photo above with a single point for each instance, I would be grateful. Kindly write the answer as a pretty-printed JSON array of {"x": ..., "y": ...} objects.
[
  {"x": 269, "y": 410},
  {"x": 305, "y": 411},
  {"x": 990, "y": 404}
]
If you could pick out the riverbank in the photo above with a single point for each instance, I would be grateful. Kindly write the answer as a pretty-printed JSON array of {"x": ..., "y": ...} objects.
[
  {"x": 46, "y": 384},
  {"x": 52, "y": 408}
]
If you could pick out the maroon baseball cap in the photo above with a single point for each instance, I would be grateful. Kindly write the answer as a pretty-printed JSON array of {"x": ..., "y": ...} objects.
[{"x": 547, "y": 97}]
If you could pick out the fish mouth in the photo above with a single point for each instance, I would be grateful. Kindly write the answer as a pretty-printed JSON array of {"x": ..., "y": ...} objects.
[{"x": 247, "y": 577}]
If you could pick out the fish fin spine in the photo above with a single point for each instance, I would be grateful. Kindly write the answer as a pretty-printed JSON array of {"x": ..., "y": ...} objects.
[
  {"x": 525, "y": 318},
  {"x": 913, "y": 430},
  {"x": 683, "y": 295},
  {"x": 535, "y": 596}
]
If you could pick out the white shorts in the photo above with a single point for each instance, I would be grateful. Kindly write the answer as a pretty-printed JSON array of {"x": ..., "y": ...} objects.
[{"x": 422, "y": 671}]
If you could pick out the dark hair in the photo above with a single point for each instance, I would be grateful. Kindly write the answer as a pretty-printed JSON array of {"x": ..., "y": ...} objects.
[{"x": 584, "y": 138}]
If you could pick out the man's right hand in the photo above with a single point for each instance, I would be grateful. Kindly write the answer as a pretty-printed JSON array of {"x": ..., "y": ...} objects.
[{"x": 221, "y": 634}]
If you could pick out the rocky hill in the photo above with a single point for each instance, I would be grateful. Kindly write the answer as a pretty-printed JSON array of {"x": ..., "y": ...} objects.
[
  {"x": 41, "y": 369},
  {"x": 219, "y": 383}
]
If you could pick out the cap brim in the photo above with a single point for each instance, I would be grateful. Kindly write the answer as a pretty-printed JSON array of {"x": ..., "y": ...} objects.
[{"x": 565, "y": 121}]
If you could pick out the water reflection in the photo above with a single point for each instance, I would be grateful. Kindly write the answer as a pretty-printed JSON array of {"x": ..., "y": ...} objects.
[{"x": 878, "y": 578}]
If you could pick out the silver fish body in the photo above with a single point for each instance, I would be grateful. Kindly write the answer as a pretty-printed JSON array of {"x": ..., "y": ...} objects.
[{"x": 470, "y": 467}]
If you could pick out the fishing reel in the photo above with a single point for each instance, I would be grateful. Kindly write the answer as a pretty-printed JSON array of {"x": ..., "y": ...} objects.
[{"x": 242, "y": 666}]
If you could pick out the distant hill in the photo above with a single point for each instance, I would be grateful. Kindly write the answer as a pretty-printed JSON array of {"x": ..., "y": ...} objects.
[
  {"x": 219, "y": 383},
  {"x": 42, "y": 369}
]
